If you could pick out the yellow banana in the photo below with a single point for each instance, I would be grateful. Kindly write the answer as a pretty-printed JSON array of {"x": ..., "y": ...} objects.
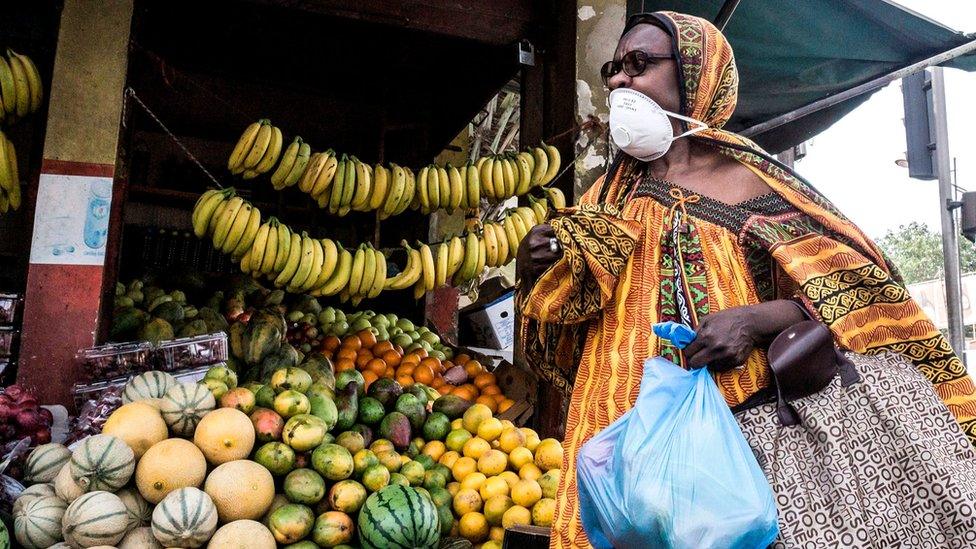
[
  {"x": 326, "y": 177},
  {"x": 441, "y": 264},
  {"x": 473, "y": 194},
  {"x": 335, "y": 195},
  {"x": 456, "y": 188},
  {"x": 541, "y": 166},
  {"x": 226, "y": 221},
  {"x": 21, "y": 85},
  {"x": 363, "y": 188},
  {"x": 8, "y": 89},
  {"x": 409, "y": 191},
  {"x": 397, "y": 187},
  {"x": 498, "y": 179},
  {"x": 411, "y": 272},
  {"x": 554, "y": 163},
  {"x": 236, "y": 161},
  {"x": 381, "y": 187},
  {"x": 283, "y": 253},
  {"x": 292, "y": 262},
  {"x": 349, "y": 187},
  {"x": 379, "y": 280},
  {"x": 556, "y": 197},
  {"x": 34, "y": 81},
  {"x": 511, "y": 235},
  {"x": 205, "y": 211},
  {"x": 330, "y": 260},
  {"x": 419, "y": 289},
  {"x": 482, "y": 258},
  {"x": 444, "y": 186},
  {"x": 520, "y": 229},
  {"x": 195, "y": 215},
  {"x": 466, "y": 272},
  {"x": 528, "y": 217},
  {"x": 491, "y": 246},
  {"x": 511, "y": 182},
  {"x": 250, "y": 232},
  {"x": 522, "y": 160},
  {"x": 318, "y": 263},
  {"x": 246, "y": 263},
  {"x": 429, "y": 269},
  {"x": 217, "y": 214},
  {"x": 369, "y": 272},
  {"x": 265, "y": 263},
  {"x": 305, "y": 261},
  {"x": 392, "y": 282},
  {"x": 433, "y": 188},
  {"x": 237, "y": 228},
  {"x": 261, "y": 143},
  {"x": 258, "y": 247},
  {"x": 340, "y": 278},
  {"x": 298, "y": 169},
  {"x": 502, "y": 239},
  {"x": 288, "y": 160},
  {"x": 486, "y": 171},
  {"x": 455, "y": 256},
  {"x": 4, "y": 201},
  {"x": 358, "y": 266},
  {"x": 422, "y": 189},
  {"x": 270, "y": 155},
  {"x": 315, "y": 163},
  {"x": 539, "y": 209}
]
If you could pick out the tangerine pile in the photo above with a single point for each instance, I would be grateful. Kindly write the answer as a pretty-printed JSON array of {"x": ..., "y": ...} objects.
[{"x": 377, "y": 359}]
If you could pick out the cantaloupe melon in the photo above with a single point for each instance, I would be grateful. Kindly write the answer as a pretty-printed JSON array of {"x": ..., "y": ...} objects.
[
  {"x": 148, "y": 386},
  {"x": 184, "y": 405},
  {"x": 39, "y": 524},
  {"x": 241, "y": 489},
  {"x": 170, "y": 465},
  {"x": 102, "y": 463},
  {"x": 65, "y": 486},
  {"x": 242, "y": 534},
  {"x": 30, "y": 494},
  {"x": 223, "y": 435},
  {"x": 140, "y": 538},
  {"x": 140, "y": 512},
  {"x": 185, "y": 518},
  {"x": 95, "y": 518},
  {"x": 44, "y": 463},
  {"x": 138, "y": 424}
]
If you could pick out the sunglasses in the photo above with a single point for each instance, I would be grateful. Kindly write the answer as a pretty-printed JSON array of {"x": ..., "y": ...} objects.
[{"x": 633, "y": 63}]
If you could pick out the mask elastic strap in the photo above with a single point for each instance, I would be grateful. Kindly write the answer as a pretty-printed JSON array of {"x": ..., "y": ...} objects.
[{"x": 701, "y": 126}]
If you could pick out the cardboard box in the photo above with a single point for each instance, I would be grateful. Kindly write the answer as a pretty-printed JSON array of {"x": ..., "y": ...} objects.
[{"x": 491, "y": 325}]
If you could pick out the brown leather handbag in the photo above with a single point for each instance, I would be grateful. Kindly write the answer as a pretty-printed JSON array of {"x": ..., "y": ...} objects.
[{"x": 859, "y": 450}]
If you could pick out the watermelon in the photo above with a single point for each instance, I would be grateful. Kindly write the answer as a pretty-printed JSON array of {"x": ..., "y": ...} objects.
[
  {"x": 102, "y": 462},
  {"x": 4, "y": 536},
  {"x": 147, "y": 386},
  {"x": 95, "y": 518},
  {"x": 45, "y": 462},
  {"x": 184, "y": 405},
  {"x": 185, "y": 518},
  {"x": 398, "y": 516},
  {"x": 39, "y": 523}
]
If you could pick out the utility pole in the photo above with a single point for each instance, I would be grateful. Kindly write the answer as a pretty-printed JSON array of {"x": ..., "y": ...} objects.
[{"x": 950, "y": 232}]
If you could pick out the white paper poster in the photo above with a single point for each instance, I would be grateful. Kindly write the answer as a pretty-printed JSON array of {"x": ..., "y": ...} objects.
[{"x": 71, "y": 220}]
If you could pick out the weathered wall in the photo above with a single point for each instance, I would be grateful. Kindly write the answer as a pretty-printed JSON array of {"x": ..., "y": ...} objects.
[{"x": 598, "y": 26}]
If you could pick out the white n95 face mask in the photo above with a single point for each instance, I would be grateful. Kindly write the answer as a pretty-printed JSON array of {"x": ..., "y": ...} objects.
[{"x": 640, "y": 127}]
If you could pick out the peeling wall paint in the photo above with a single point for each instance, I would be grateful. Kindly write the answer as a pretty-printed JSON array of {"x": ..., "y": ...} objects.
[{"x": 599, "y": 26}]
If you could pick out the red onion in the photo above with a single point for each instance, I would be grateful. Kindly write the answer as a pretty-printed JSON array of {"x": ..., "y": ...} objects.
[
  {"x": 48, "y": 416},
  {"x": 42, "y": 436},
  {"x": 31, "y": 421}
]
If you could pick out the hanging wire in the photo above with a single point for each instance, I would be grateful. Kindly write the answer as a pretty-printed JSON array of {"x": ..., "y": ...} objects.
[{"x": 131, "y": 94}]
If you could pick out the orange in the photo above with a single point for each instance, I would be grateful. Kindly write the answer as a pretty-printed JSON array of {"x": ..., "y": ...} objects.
[
  {"x": 473, "y": 368},
  {"x": 421, "y": 352},
  {"x": 398, "y": 349},
  {"x": 370, "y": 377},
  {"x": 382, "y": 347},
  {"x": 331, "y": 343},
  {"x": 363, "y": 358},
  {"x": 446, "y": 365},
  {"x": 391, "y": 357},
  {"x": 445, "y": 389},
  {"x": 474, "y": 390},
  {"x": 345, "y": 364},
  {"x": 489, "y": 402},
  {"x": 352, "y": 342},
  {"x": 376, "y": 366},
  {"x": 347, "y": 354},
  {"x": 404, "y": 370},
  {"x": 411, "y": 359},
  {"x": 504, "y": 405},
  {"x": 423, "y": 373},
  {"x": 463, "y": 392},
  {"x": 432, "y": 363},
  {"x": 483, "y": 380},
  {"x": 462, "y": 359},
  {"x": 404, "y": 381},
  {"x": 390, "y": 372},
  {"x": 367, "y": 338},
  {"x": 490, "y": 390},
  {"x": 438, "y": 382}
]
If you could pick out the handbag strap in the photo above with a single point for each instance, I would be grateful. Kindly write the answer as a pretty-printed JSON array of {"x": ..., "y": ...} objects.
[{"x": 804, "y": 360}]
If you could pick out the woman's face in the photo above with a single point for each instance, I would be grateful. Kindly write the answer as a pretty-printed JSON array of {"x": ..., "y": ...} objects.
[{"x": 659, "y": 81}]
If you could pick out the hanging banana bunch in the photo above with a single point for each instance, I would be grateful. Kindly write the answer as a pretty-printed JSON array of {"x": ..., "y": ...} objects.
[
  {"x": 21, "y": 93},
  {"x": 9, "y": 178}
]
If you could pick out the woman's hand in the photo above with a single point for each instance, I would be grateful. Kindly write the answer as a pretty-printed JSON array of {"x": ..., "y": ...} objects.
[
  {"x": 535, "y": 254},
  {"x": 726, "y": 338}
]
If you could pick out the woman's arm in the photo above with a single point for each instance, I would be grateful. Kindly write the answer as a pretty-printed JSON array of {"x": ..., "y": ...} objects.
[{"x": 726, "y": 338}]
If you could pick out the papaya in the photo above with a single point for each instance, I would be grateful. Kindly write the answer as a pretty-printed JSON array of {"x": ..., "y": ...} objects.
[
  {"x": 170, "y": 311},
  {"x": 193, "y": 329},
  {"x": 265, "y": 339},
  {"x": 215, "y": 321},
  {"x": 237, "y": 336},
  {"x": 347, "y": 403},
  {"x": 285, "y": 357},
  {"x": 271, "y": 316},
  {"x": 157, "y": 330},
  {"x": 451, "y": 406}
]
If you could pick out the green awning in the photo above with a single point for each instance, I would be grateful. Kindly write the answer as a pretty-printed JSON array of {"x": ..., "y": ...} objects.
[{"x": 792, "y": 53}]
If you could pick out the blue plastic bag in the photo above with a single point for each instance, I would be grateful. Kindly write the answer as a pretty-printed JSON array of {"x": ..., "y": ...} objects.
[{"x": 675, "y": 470}]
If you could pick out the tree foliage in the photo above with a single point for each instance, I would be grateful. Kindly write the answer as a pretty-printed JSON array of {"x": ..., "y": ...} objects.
[{"x": 917, "y": 252}]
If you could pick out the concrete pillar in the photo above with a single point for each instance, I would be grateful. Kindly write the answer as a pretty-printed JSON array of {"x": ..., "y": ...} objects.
[
  {"x": 598, "y": 27},
  {"x": 64, "y": 289}
]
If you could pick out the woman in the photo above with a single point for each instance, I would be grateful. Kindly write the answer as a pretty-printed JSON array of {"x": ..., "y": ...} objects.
[{"x": 708, "y": 230}]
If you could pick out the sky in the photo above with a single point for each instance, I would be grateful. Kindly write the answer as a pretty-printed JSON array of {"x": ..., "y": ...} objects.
[{"x": 853, "y": 162}]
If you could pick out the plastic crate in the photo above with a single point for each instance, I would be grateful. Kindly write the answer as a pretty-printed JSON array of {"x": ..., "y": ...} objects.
[
  {"x": 83, "y": 393},
  {"x": 10, "y": 305},
  {"x": 8, "y": 338},
  {"x": 115, "y": 360},
  {"x": 191, "y": 352}
]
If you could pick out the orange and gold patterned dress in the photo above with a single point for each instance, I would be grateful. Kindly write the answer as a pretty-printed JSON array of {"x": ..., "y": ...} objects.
[{"x": 639, "y": 251}]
